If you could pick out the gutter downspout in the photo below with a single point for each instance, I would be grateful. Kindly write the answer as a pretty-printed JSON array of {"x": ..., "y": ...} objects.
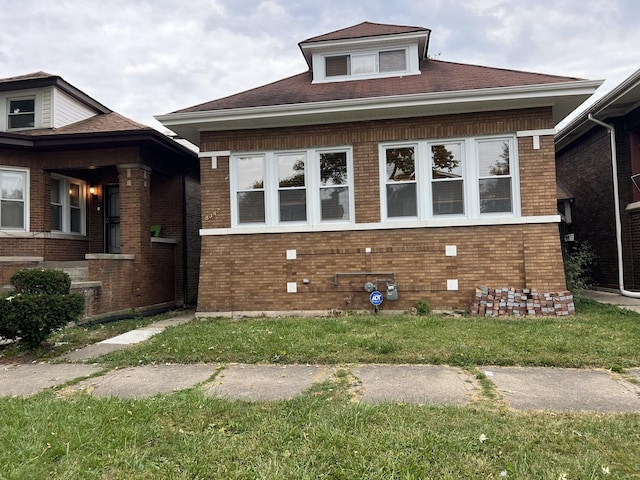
[{"x": 616, "y": 203}]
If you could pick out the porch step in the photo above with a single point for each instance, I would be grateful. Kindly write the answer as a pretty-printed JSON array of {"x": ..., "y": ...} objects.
[{"x": 78, "y": 271}]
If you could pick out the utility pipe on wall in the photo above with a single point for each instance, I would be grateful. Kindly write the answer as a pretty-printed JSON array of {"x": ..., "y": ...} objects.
[{"x": 616, "y": 203}]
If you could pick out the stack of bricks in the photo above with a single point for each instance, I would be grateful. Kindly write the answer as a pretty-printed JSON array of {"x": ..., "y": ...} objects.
[{"x": 498, "y": 302}]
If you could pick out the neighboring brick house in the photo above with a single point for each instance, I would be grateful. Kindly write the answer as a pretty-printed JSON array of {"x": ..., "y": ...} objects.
[
  {"x": 585, "y": 165},
  {"x": 378, "y": 168},
  {"x": 81, "y": 188}
]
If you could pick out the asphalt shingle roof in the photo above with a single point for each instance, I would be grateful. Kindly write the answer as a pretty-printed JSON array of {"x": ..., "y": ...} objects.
[{"x": 436, "y": 77}]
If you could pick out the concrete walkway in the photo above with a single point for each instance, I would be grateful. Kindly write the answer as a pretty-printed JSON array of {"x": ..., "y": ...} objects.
[{"x": 555, "y": 389}]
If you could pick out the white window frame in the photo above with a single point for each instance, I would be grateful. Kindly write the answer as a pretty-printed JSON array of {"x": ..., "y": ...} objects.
[
  {"x": 25, "y": 199},
  {"x": 65, "y": 184},
  {"x": 272, "y": 189},
  {"x": 470, "y": 178},
  {"x": 11, "y": 114}
]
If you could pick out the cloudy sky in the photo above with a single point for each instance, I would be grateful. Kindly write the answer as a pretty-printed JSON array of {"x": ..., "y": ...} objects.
[{"x": 147, "y": 57}]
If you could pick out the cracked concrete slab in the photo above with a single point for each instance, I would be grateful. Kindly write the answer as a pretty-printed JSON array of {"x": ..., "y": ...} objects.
[
  {"x": 27, "y": 379},
  {"x": 266, "y": 382},
  {"x": 564, "y": 389},
  {"x": 421, "y": 384},
  {"x": 147, "y": 380}
]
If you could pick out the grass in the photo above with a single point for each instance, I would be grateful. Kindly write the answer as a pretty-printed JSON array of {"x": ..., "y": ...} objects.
[
  {"x": 319, "y": 434},
  {"x": 599, "y": 336},
  {"x": 72, "y": 338},
  {"x": 322, "y": 433}
]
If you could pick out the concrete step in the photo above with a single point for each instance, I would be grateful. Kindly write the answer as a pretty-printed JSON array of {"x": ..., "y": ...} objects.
[{"x": 78, "y": 271}]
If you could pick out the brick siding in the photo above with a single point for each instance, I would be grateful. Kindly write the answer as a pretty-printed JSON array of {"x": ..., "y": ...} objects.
[{"x": 250, "y": 272}]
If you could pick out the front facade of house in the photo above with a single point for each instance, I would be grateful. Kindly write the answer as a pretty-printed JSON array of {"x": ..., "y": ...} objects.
[
  {"x": 81, "y": 188},
  {"x": 378, "y": 170},
  {"x": 585, "y": 146}
]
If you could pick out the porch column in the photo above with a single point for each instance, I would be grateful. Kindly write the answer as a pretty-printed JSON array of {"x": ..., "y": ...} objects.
[{"x": 135, "y": 209}]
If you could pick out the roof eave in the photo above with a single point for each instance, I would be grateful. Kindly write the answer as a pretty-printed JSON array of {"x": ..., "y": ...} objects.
[
  {"x": 605, "y": 107},
  {"x": 564, "y": 97}
]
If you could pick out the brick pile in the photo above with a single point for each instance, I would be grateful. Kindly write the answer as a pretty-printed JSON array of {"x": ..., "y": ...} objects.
[{"x": 498, "y": 302}]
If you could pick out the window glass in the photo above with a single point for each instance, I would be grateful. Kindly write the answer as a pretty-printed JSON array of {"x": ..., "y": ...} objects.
[
  {"x": 337, "y": 66},
  {"x": 493, "y": 158},
  {"x": 393, "y": 61},
  {"x": 447, "y": 187},
  {"x": 334, "y": 200},
  {"x": 12, "y": 199},
  {"x": 401, "y": 179},
  {"x": 56, "y": 204},
  {"x": 250, "y": 189},
  {"x": 22, "y": 113},
  {"x": 362, "y": 64},
  {"x": 292, "y": 191},
  {"x": 494, "y": 165}
]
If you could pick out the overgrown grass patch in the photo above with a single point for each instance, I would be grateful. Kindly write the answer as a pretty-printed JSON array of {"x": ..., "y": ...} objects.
[
  {"x": 319, "y": 434},
  {"x": 599, "y": 336}
]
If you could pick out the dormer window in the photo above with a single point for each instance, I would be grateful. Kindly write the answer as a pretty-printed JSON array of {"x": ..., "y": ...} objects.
[
  {"x": 366, "y": 63},
  {"x": 22, "y": 113}
]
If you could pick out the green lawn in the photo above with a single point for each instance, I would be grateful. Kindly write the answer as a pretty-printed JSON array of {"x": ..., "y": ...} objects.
[
  {"x": 323, "y": 434},
  {"x": 599, "y": 336}
]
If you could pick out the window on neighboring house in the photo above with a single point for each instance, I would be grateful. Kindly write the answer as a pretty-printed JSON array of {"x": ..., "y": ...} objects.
[
  {"x": 22, "y": 113},
  {"x": 13, "y": 199},
  {"x": 469, "y": 177},
  {"x": 366, "y": 63},
  {"x": 284, "y": 188},
  {"x": 67, "y": 205}
]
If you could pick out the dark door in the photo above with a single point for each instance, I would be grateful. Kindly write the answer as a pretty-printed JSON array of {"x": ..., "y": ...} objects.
[{"x": 112, "y": 218}]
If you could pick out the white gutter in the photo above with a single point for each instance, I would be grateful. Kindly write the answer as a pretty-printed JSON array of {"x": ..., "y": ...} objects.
[{"x": 616, "y": 203}]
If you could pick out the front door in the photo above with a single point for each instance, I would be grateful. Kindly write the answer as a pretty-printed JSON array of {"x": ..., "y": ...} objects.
[{"x": 112, "y": 218}]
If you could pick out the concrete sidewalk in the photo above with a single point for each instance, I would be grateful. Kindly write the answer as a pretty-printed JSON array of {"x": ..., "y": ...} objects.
[{"x": 532, "y": 388}]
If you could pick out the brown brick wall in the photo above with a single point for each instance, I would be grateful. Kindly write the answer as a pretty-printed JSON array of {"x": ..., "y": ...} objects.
[
  {"x": 117, "y": 291},
  {"x": 250, "y": 272}
]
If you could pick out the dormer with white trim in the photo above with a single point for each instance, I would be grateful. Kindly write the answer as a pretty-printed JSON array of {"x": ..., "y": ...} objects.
[
  {"x": 364, "y": 51},
  {"x": 39, "y": 101}
]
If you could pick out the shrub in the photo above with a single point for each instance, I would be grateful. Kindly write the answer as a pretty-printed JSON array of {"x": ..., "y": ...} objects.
[
  {"x": 42, "y": 305},
  {"x": 578, "y": 263},
  {"x": 41, "y": 280},
  {"x": 423, "y": 307}
]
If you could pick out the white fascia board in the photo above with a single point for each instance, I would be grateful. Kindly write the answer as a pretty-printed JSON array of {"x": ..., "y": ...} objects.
[{"x": 527, "y": 92}]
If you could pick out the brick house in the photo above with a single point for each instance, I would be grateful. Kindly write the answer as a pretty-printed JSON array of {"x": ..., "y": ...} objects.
[
  {"x": 81, "y": 188},
  {"x": 378, "y": 168},
  {"x": 602, "y": 140}
]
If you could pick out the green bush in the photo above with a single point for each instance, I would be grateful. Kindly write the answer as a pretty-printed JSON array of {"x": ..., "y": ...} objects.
[
  {"x": 578, "y": 262},
  {"x": 41, "y": 280},
  {"x": 423, "y": 307},
  {"x": 41, "y": 305}
]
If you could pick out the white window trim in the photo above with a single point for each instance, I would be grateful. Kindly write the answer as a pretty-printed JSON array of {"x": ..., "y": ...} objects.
[
  {"x": 470, "y": 180},
  {"x": 66, "y": 213},
  {"x": 271, "y": 188},
  {"x": 411, "y": 63},
  {"x": 26, "y": 197},
  {"x": 37, "y": 110}
]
